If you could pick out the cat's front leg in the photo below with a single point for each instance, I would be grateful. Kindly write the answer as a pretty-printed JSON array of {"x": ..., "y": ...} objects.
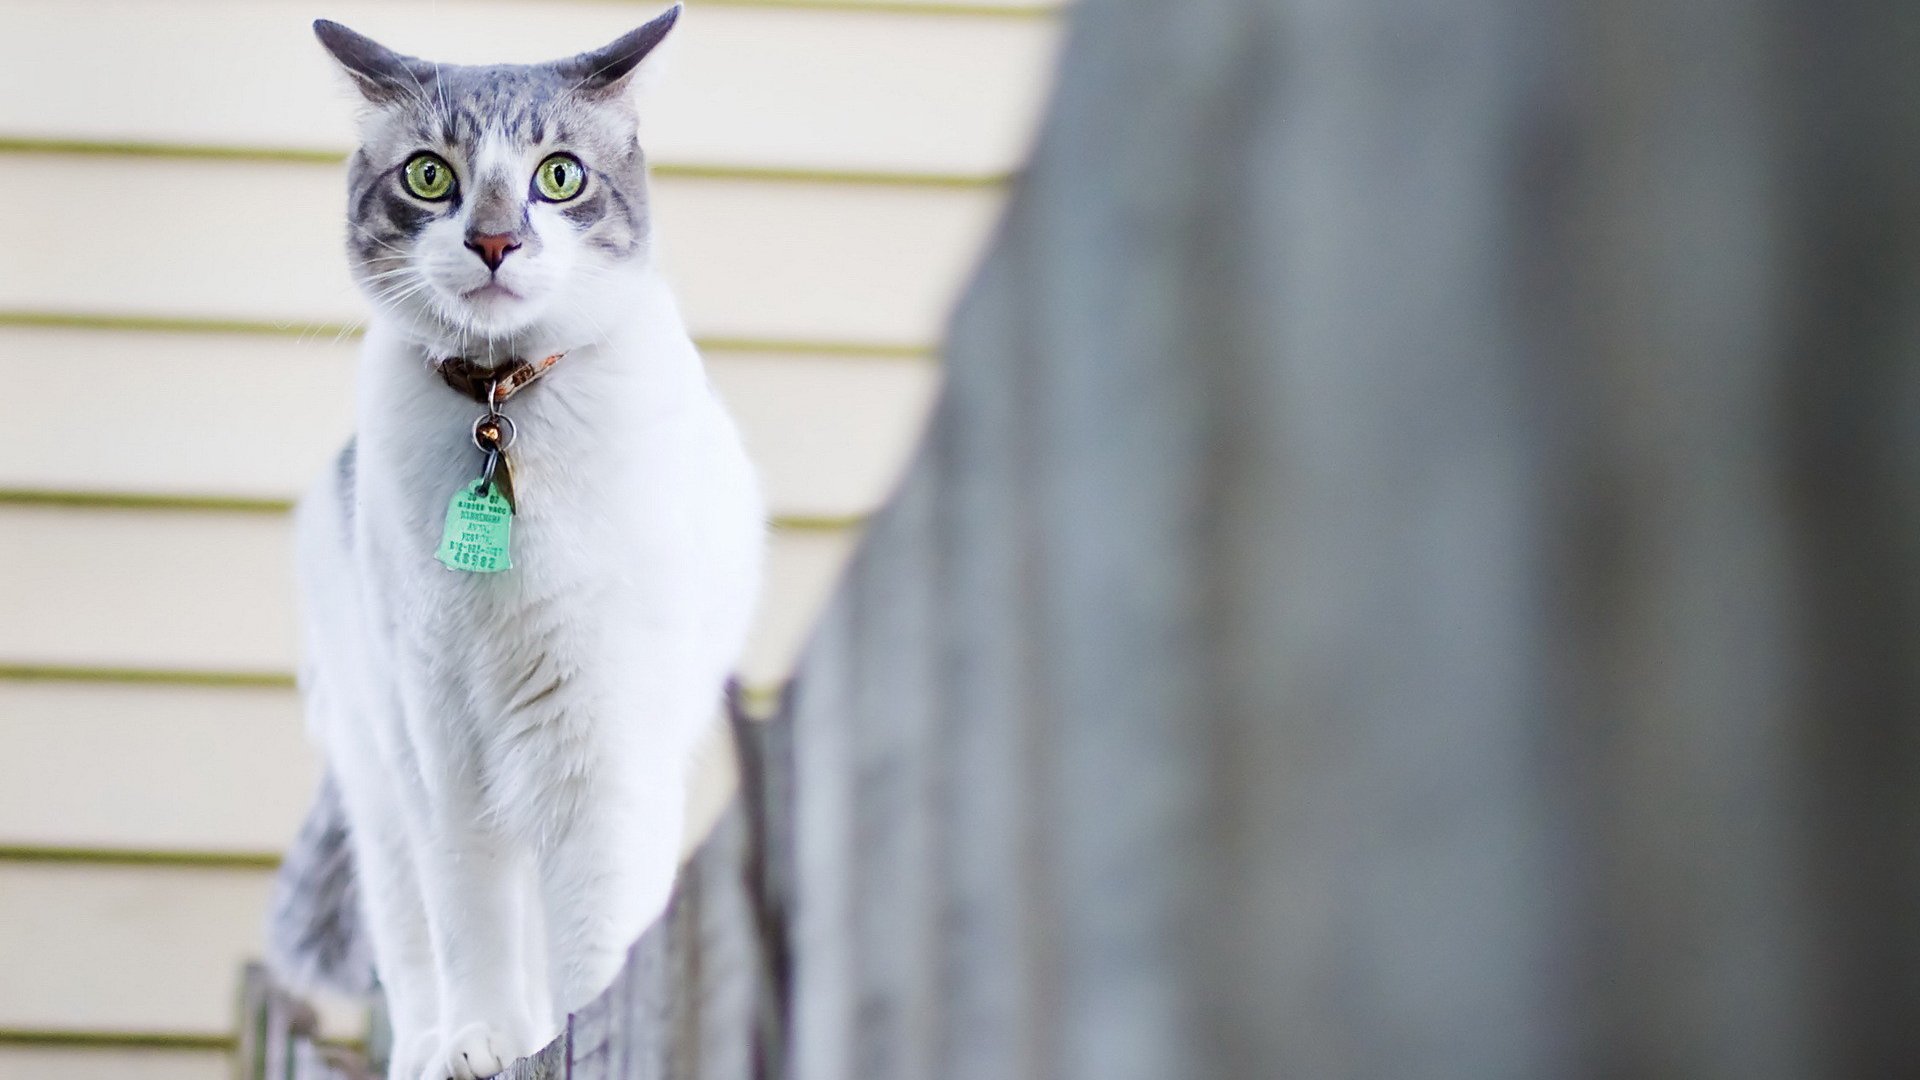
[
  {"x": 609, "y": 874},
  {"x": 476, "y": 883},
  {"x": 391, "y": 899}
]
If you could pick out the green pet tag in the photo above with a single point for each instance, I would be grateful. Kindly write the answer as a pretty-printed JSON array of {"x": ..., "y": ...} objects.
[{"x": 475, "y": 537}]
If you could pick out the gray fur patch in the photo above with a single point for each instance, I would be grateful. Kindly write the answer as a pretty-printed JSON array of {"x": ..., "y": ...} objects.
[
  {"x": 316, "y": 935},
  {"x": 346, "y": 476}
]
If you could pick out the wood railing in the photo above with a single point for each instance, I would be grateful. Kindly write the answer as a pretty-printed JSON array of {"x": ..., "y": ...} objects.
[{"x": 280, "y": 1039}]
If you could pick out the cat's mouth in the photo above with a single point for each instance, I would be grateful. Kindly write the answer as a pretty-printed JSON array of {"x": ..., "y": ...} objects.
[
  {"x": 491, "y": 307},
  {"x": 491, "y": 292}
]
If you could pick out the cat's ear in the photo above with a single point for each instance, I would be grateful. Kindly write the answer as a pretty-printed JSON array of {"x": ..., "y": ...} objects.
[
  {"x": 380, "y": 74},
  {"x": 608, "y": 69}
]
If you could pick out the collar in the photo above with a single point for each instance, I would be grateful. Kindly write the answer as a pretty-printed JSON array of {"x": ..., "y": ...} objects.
[{"x": 491, "y": 385}]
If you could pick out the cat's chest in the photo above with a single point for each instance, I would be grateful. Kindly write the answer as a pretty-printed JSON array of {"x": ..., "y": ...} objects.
[{"x": 600, "y": 503}]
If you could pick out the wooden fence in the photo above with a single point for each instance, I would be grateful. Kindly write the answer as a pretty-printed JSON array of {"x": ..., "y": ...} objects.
[{"x": 1416, "y": 572}]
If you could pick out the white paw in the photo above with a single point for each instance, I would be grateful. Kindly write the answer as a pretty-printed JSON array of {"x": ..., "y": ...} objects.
[{"x": 473, "y": 1052}]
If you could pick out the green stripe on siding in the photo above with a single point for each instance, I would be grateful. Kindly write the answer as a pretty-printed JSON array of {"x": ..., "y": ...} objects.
[
  {"x": 236, "y": 504},
  {"x": 240, "y": 680},
  {"x": 128, "y": 500},
  {"x": 190, "y": 1042},
  {"x": 868, "y": 350},
  {"x": 192, "y": 860},
  {"x": 116, "y": 1040},
  {"x": 760, "y": 700},
  {"x": 188, "y": 151},
  {"x": 290, "y": 155},
  {"x": 170, "y": 324},
  {"x": 780, "y": 174},
  {"x": 821, "y": 523}
]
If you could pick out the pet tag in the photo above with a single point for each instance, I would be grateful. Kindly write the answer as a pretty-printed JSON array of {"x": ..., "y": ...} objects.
[{"x": 475, "y": 537}]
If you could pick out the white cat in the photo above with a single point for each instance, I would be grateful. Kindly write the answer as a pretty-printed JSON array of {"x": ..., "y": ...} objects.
[{"x": 509, "y": 746}]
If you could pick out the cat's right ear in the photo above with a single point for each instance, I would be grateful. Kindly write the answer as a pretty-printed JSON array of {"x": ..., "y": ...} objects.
[{"x": 380, "y": 74}]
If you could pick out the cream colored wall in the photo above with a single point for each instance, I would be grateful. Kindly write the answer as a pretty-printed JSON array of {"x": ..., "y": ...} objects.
[{"x": 172, "y": 307}]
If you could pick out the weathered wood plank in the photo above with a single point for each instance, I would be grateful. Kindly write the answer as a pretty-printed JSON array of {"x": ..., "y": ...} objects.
[
  {"x": 250, "y": 1051},
  {"x": 896, "y": 842},
  {"x": 824, "y": 983},
  {"x": 764, "y": 752},
  {"x": 279, "y": 1037},
  {"x": 992, "y": 941},
  {"x": 549, "y": 1064},
  {"x": 727, "y": 984}
]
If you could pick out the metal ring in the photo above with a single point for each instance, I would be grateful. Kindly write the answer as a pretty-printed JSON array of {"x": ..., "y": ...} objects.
[{"x": 507, "y": 431}]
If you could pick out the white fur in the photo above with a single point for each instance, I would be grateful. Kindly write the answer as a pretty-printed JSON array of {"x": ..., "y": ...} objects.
[{"x": 511, "y": 850}]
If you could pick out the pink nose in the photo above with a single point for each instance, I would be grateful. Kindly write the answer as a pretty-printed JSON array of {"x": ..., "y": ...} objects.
[{"x": 492, "y": 247}]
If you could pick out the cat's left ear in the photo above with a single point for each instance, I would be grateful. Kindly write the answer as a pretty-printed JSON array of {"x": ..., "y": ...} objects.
[
  {"x": 608, "y": 69},
  {"x": 381, "y": 74}
]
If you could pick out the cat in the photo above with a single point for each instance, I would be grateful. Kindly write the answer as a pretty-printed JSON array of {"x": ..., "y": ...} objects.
[{"x": 508, "y": 715}]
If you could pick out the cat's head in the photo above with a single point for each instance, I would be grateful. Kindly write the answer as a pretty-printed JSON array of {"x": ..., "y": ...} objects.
[{"x": 486, "y": 203}]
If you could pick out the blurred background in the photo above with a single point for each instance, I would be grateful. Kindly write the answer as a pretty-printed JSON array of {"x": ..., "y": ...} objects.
[{"x": 177, "y": 337}]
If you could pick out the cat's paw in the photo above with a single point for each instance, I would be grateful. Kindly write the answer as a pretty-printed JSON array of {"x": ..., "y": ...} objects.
[{"x": 474, "y": 1052}]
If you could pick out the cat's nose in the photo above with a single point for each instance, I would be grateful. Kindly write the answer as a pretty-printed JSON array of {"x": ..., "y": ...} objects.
[{"x": 492, "y": 247}]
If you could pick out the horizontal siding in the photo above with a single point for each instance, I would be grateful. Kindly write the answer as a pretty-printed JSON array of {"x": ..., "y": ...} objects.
[
  {"x": 130, "y": 767},
  {"x": 742, "y": 85},
  {"x": 830, "y": 436},
  {"x": 261, "y": 241},
  {"x": 99, "y": 772},
  {"x": 125, "y": 948},
  {"x": 131, "y": 949},
  {"x": 257, "y": 417},
  {"x": 214, "y": 591},
  {"x": 111, "y": 1063}
]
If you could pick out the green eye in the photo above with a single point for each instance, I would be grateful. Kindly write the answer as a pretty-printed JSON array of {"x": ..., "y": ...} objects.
[
  {"x": 559, "y": 178},
  {"x": 428, "y": 177}
]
